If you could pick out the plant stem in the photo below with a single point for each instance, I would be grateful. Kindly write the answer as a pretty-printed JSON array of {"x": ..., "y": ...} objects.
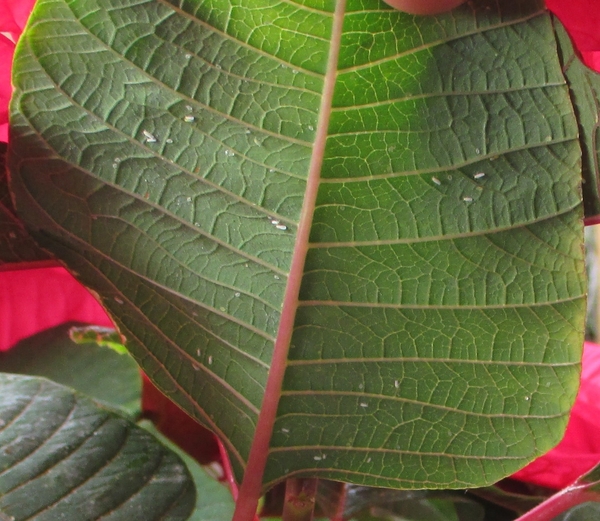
[
  {"x": 559, "y": 503},
  {"x": 299, "y": 502}
]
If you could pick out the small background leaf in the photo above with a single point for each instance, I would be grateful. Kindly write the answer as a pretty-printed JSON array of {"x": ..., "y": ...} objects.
[
  {"x": 589, "y": 511},
  {"x": 584, "y": 85},
  {"x": 97, "y": 371},
  {"x": 63, "y": 457},
  {"x": 213, "y": 500}
]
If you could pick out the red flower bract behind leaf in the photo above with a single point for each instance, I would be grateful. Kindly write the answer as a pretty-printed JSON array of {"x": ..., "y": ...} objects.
[
  {"x": 581, "y": 19},
  {"x": 14, "y": 15}
]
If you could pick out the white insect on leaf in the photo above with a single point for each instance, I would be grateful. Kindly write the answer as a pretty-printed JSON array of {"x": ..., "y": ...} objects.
[{"x": 150, "y": 138}]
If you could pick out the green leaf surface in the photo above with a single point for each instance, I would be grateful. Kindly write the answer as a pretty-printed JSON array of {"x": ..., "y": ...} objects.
[
  {"x": 345, "y": 239},
  {"x": 63, "y": 457},
  {"x": 214, "y": 501},
  {"x": 584, "y": 85},
  {"x": 96, "y": 371},
  {"x": 15, "y": 243}
]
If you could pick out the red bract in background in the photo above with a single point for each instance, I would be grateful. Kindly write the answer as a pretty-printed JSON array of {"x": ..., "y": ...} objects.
[{"x": 33, "y": 300}]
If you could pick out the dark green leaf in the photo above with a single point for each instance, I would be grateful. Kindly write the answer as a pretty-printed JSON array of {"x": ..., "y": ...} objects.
[
  {"x": 385, "y": 209},
  {"x": 96, "y": 371},
  {"x": 63, "y": 457}
]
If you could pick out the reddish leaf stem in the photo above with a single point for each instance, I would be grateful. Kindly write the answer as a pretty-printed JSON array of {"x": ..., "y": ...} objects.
[
  {"x": 251, "y": 487},
  {"x": 299, "y": 502},
  {"x": 560, "y": 502}
]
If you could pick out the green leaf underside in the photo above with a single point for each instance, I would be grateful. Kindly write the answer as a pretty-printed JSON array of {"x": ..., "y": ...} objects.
[
  {"x": 161, "y": 149},
  {"x": 61, "y": 456}
]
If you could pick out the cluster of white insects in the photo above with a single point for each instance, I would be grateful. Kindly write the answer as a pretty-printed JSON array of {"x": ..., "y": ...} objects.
[{"x": 467, "y": 199}]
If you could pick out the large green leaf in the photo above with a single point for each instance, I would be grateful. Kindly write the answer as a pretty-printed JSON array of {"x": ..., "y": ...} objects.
[
  {"x": 346, "y": 239},
  {"x": 63, "y": 457}
]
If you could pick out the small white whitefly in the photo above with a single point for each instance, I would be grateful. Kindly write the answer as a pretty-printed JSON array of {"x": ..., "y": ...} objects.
[
  {"x": 188, "y": 56},
  {"x": 118, "y": 300},
  {"x": 117, "y": 159},
  {"x": 281, "y": 226},
  {"x": 477, "y": 151},
  {"x": 247, "y": 131},
  {"x": 275, "y": 221},
  {"x": 368, "y": 460},
  {"x": 271, "y": 170},
  {"x": 527, "y": 398},
  {"x": 284, "y": 430},
  {"x": 396, "y": 384},
  {"x": 149, "y": 136},
  {"x": 237, "y": 294},
  {"x": 189, "y": 118},
  {"x": 169, "y": 140},
  {"x": 468, "y": 199},
  {"x": 198, "y": 352},
  {"x": 363, "y": 404},
  {"x": 276, "y": 277},
  {"x": 189, "y": 199},
  {"x": 310, "y": 127},
  {"x": 257, "y": 141},
  {"x": 188, "y": 108},
  {"x": 294, "y": 71},
  {"x": 229, "y": 153},
  {"x": 436, "y": 181},
  {"x": 317, "y": 458},
  {"x": 479, "y": 175},
  {"x": 210, "y": 359}
]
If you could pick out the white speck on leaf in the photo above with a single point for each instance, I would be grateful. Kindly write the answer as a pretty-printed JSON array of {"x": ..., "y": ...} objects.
[
  {"x": 468, "y": 199},
  {"x": 189, "y": 118},
  {"x": 363, "y": 404},
  {"x": 118, "y": 300},
  {"x": 436, "y": 181},
  {"x": 210, "y": 360},
  {"x": 479, "y": 175},
  {"x": 237, "y": 294},
  {"x": 281, "y": 226},
  {"x": 396, "y": 384},
  {"x": 284, "y": 430}
]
